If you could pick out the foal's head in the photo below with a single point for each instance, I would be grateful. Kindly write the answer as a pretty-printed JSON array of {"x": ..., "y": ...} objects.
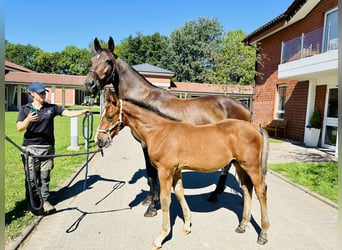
[
  {"x": 111, "y": 120},
  {"x": 102, "y": 70}
]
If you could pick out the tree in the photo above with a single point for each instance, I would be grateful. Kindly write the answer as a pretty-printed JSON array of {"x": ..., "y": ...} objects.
[
  {"x": 189, "y": 49},
  {"x": 234, "y": 63},
  {"x": 142, "y": 49},
  {"x": 74, "y": 61},
  {"x": 46, "y": 62},
  {"x": 22, "y": 55}
]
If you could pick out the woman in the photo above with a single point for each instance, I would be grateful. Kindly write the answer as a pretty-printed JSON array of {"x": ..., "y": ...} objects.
[{"x": 37, "y": 120}]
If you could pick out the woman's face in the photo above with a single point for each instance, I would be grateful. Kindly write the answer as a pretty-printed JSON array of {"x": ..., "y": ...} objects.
[{"x": 39, "y": 97}]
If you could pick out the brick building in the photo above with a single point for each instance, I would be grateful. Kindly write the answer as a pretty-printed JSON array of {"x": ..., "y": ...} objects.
[{"x": 300, "y": 73}]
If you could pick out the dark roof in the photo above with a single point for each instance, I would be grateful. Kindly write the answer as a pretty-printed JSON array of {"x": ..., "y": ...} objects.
[
  {"x": 282, "y": 18},
  {"x": 148, "y": 68}
]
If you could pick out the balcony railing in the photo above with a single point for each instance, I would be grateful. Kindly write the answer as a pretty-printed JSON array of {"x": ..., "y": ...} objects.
[{"x": 308, "y": 44}]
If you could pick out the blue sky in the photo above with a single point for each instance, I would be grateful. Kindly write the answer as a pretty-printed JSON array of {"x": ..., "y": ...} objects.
[{"x": 53, "y": 25}]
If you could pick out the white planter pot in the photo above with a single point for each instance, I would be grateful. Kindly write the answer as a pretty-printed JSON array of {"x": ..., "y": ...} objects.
[{"x": 312, "y": 137}]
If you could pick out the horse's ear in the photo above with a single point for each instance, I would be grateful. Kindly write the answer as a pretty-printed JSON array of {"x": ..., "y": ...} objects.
[
  {"x": 111, "y": 44},
  {"x": 109, "y": 96},
  {"x": 97, "y": 45}
]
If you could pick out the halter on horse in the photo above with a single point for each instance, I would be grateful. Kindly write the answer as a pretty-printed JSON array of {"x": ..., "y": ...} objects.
[
  {"x": 128, "y": 83},
  {"x": 172, "y": 149}
]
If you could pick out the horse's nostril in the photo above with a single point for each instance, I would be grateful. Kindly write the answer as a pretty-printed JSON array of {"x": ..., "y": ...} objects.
[{"x": 99, "y": 143}]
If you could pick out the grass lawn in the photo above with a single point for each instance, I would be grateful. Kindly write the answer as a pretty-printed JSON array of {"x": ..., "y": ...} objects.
[
  {"x": 321, "y": 178},
  {"x": 16, "y": 216}
]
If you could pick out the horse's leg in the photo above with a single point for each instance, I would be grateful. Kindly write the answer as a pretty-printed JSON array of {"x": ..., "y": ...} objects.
[
  {"x": 179, "y": 192},
  {"x": 152, "y": 198},
  {"x": 165, "y": 180},
  {"x": 221, "y": 183},
  {"x": 247, "y": 188},
  {"x": 261, "y": 192}
]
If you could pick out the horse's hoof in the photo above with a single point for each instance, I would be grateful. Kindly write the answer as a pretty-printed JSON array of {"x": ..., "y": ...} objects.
[
  {"x": 213, "y": 197},
  {"x": 147, "y": 201},
  {"x": 240, "y": 229},
  {"x": 155, "y": 247},
  {"x": 262, "y": 238},
  {"x": 150, "y": 212},
  {"x": 186, "y": 231}
]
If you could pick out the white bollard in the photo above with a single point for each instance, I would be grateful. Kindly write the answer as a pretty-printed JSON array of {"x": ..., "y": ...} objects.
[{"x": 74, "y": 134}]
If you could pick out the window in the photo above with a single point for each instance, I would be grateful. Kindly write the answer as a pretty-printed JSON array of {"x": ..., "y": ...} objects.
[
  {"x": 330, "y": 38},
  {"x": 281, "y": 99},
  {"x": 332, "y": 103}
]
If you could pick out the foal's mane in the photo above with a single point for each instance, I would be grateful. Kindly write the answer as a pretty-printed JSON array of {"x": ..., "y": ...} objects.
[{"x": 153, "y": 109}]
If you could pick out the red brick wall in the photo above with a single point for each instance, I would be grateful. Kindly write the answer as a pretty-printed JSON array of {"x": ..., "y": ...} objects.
[
  {"x": 295, "y": 109},
  {"x": 265, "y": 92}
]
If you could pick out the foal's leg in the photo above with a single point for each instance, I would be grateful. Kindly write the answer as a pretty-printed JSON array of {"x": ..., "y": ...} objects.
[
  {"x": 179, "y": 192},
  {"x": 261, "y": 193},
  {"x": 247, "y": 188},
  {"x": 165, "y": 179},
  {"x": 152, "y": 198},
  {"x": 221, "y": 183}
]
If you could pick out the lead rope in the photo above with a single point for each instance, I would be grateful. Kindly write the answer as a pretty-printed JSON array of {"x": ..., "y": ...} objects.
[{"x": 87, "y": 130}]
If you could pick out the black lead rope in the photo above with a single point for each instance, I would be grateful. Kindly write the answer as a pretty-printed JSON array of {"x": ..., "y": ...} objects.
[{"x": 87, "y": 130}]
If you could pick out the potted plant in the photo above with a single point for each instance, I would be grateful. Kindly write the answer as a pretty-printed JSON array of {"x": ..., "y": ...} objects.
[{"x": 314, "y": 129}]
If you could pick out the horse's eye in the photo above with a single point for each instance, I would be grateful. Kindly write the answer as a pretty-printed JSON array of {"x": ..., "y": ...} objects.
[
  {"x": 109, "y": 62},
  {"x": 110, "y": 118}
]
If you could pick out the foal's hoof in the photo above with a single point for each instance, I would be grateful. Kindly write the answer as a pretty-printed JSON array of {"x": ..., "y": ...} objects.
[
  {"x": 155, "y": 247},
  {"x": 186, "y": 231},
  {"x": 213, "y": 197},
  {"x": 150, "y": 212},
  {"x": 147, "y": 201},
  {"x": 262, "y": 238},
  {"x": 240, "y": 229}
]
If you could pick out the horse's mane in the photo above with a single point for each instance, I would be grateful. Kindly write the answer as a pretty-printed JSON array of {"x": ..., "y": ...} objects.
[
  {"x": 128, "y": 66},
  {"x": 151, "y": 108}
]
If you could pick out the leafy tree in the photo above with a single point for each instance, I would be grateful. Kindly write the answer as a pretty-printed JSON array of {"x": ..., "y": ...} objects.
[
  {"x": 234, "y": 62},
  {"x": 22, "y": 55},
  {"x": 189, "y": 49},
  {"x": 142, "y": 49},
  {"x": 74, "y": 61},
  {"x": 46, "y": 62}
]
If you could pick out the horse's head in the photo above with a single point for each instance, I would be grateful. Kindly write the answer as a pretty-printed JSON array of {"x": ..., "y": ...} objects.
[
  {"x": 111, "y": 120},
  {"x": 102, "y": 70}
]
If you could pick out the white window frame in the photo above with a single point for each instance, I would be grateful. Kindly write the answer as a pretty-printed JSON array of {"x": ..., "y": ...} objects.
[{"x": 326, "y": 34}]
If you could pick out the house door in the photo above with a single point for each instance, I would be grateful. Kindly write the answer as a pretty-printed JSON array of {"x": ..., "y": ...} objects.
[{"x": 330, "y": 119}]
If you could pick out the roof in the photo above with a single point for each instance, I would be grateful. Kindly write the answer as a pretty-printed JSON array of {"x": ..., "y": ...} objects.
[
  {"x": 295, "y": 12},
  {"x": 9, "y": 66},
  {"x": 69, "y": 81},
  {"x": 150, "y": 69}
]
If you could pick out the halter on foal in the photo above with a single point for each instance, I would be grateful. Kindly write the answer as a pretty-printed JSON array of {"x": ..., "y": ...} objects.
[
  {"x": 128, "y": 83},
  {"x": 171, "y": 149}
]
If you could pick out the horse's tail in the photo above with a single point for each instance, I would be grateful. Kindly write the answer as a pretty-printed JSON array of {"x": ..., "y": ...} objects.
[{"x": 264, "y": 152}]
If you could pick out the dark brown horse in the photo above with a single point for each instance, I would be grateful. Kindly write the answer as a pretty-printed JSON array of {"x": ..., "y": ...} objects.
[
  {"x": 107, "y": 68},
  {"x": 174, "y": 146}
]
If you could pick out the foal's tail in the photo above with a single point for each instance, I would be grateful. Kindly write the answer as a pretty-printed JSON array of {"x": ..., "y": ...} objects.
[{"x": 264, "y": 153}]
